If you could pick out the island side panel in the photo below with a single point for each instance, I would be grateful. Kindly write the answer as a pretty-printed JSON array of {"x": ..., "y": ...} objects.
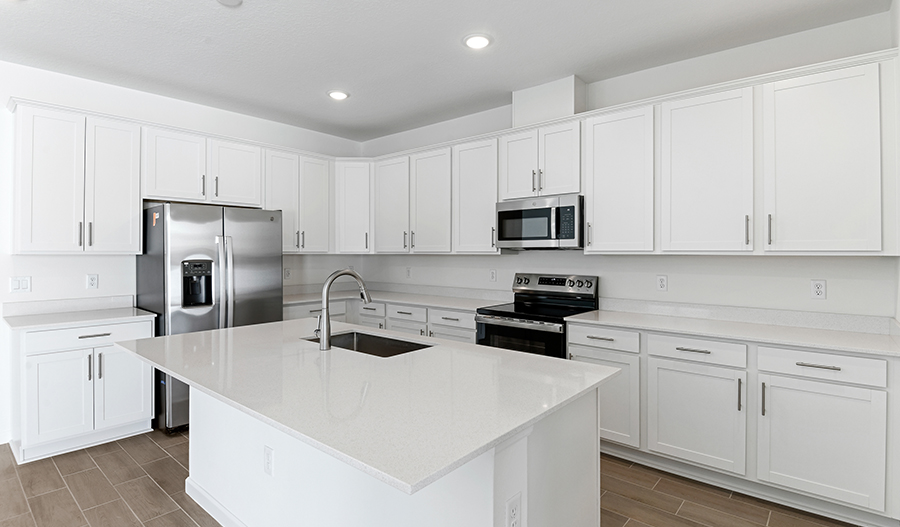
[
  {"x": 564, "y": 467},
  {"x": 310, "y": 487}
]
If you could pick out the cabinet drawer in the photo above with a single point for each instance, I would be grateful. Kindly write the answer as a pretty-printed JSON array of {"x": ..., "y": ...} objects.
[
  {"x": 456, "y": 319},
  {"x": 85, "y": 337},
  {"x": 372, "y": 309},
  {"x": 448, "y": 333},
  {"x": 413, "y": 328},
  {"x": 698, "y": 350},
  {"x": 841, "y": 368},
  {"x": 601, "y": 337},
  {"x": 295, "y": 311},
  {"x": 418, "y": 314}
]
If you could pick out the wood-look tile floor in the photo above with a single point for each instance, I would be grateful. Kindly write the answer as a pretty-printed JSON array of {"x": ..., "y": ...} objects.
[
  {"x": 133, "y": 482},
  {"x": 633, "y": 495}
]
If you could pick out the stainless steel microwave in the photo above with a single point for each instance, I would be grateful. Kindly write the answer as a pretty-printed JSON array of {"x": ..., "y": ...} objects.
[{"x": 553, "y": 222}]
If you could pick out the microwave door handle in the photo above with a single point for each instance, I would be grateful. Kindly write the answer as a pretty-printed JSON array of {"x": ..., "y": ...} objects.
[{"x": 554, "y": 223}]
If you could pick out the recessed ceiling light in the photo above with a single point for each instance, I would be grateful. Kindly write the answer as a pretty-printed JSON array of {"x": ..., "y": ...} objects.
[
  {"x": 231, "y": 3},
  {"x": 338, "y": 95},
  {"x": 477, "y": 41}
]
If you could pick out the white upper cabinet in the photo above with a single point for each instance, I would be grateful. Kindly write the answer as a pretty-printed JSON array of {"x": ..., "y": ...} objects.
[
  {"x": 822, "y": 159},
  {"x": 283, "y": 193},
  {"x": 77, "y": 183},
  {"x": 392, "y": 206},
  {"x": 475, "y": 197},
  {"x": 541, "y": 162},
  {"x": 619, "y": 182},
  {"x": 174, "y": 165},
  {"x": 429, "y": 206},
  {"x": 707, "y": 173},
  {"x": 352, "y": 203},
  {"x": 315, "y": 200},
  {"x": 235, "y": 173}
]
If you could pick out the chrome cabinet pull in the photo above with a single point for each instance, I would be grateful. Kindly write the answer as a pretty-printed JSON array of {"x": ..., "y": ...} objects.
[
  {"x": 217, "y": 186},
  {"x": 91, "y": 233},
  {"x": 412, "y": 239},
  {"x": 100, "y": 366},
  {"x": 369, "y": 308},
  {"x": 589, "y": 233},
  {"x": 203, "y": 185},
  {"x": 381, "y": 325},
  {"x": 95, "y": 336},
  {"x": 595, "y": 337},
  {"x": 533, "y": 181},
  {"x": 315, "y": 310},
  {"x": 422, "y": 332},
  {"x": 740, "y": 381},
  {"x": 298, "y": 239},
  {"x": 764, "y": 399},
  {"x": 571, "y": 356},
  {"x": 819, "y": 366},
  {"x": 90, "y": 368},
  {"x": 450, "y": 318},
  {"x": 493, "y": 236},
  {"x": 367, "y": 241},
  {"x": 770, "y": 229},
  {"x": 430, "y": 333},
  {"x": 303, "y": 239},
  {"x": 404, "y": 313},
  {"x": 404, "y": 239},
  {"x": 80, "y": 233},
  {"x": 540, "y": 179},
  {"x": 694, "y": 350},
  {"x": 747, "y": 230}
]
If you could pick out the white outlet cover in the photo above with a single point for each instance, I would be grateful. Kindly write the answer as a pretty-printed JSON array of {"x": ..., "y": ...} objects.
[
  {"x": 493, "y": 275},
  {"x": 287, "y": 273},
  {"x": 818, "y": 289},
  {"x": 662, "y": 282}
]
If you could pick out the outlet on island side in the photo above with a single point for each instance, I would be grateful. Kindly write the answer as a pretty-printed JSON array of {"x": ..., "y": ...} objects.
[{"x": 514, "y": 511}]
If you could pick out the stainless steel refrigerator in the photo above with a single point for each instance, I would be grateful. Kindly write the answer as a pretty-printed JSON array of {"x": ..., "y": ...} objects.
[{"x": 206, "y": 267}]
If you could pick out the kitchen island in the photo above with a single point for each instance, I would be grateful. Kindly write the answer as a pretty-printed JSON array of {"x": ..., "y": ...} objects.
[{"x": 453, "y": 434}]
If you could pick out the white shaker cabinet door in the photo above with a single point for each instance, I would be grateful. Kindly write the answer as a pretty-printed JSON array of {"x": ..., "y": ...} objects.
[
  {"x": 619, "y": 182},
  {"x": 123, "y": 388},
  {"x": 174, "y": 165},
  {"x": 707, "y": 173},
  {"x": 59, "y": 395},
  {"x": 429, "y": 206},
  {"x": 392, "y": 206},
  {"x": 283, "y": 193},
  {"x": 825, "y": 439},
  {"x": 112, "y": 196},
  {"x": 518, "y": 165},
  {"x": 315, "y": 209},
  {"x": 620, "y": 397},
  {"x": 352, "y": 203},
  {"x": 698, "y": 413},
  {"x": 475, "y": 197},
  {"x": 49, "y": 181},
  {"x": 559, "y": 159},
  {"x": 822, "y": 152},
  {"x": 235, "y": 173}
]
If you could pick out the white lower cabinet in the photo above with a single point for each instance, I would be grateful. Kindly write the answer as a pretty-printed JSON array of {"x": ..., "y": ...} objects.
[
  {"x": 337, "y": 310},
  {"x": 59, "y": 396},
  {"x": 620, "y": 397},
  {"x": 406, "y": 326},
  {"x": 697, "y": 412}
]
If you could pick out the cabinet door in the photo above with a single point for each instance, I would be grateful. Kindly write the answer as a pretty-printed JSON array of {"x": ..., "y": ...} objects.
[
  {"x": 352, "y": 203},
  {"x": 620, "y": 397},
  {"x": 174, "y": 165},
  {"x": 518, "y": 165},
  {"x": 403, "y": 326},
  {"x": 123, "y": 388},
  {"x": 283, "y": 193},
  {"x": 826, "y": 439},
  {"x": 59, "y": 396},
  {"x": 822, "y": 151},
  {"x": 698, "y": 413},
  {"x": 559, "y": 159},
  {"x": 112, "y": 194},
  {"x": 235, "y": 173},
  {"x": 619, "y": 182},
  {"x": 315, "y": 205},
  {"x": 429, "y": 206},
  {"x": 475, "y": 197},
  {"x": 371, "y": 322},
  {"x": 707, "y": 173},
  {"x": 392, "y": 206},
  {"x": 49, "y": 181}
]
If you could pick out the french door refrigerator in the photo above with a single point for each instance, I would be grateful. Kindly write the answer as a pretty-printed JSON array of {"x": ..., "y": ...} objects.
[{"x": 206, "y": 267}]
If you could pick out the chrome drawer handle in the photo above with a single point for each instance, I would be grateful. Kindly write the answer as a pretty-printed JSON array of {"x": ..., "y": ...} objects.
[
  {"x": 315, "y": 310},
  {"x": 607, "y": 339},
  {"x": 694, "y": 350},
  {"x": 820, "y": 366},
  {"x": 450, "y": 318},
  {"x": 98, "y": 335},
  {"x": 404, "y": 313},
  {"x": 370, "y": 309}
]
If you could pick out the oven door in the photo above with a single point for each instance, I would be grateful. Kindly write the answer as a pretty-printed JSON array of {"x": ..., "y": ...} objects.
[
  {"x": 518, "y": 338},
  {"x": 527, "y": 225}
]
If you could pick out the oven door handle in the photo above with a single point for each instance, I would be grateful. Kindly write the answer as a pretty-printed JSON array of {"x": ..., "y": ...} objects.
[{"x": 496, "y": 321}]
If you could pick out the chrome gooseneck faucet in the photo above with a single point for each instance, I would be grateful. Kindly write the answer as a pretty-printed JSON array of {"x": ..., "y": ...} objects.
[{"x": 324, "y": 322}]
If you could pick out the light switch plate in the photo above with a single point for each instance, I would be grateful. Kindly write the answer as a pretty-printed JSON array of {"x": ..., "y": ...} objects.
[{"x": 19, "y": 284}]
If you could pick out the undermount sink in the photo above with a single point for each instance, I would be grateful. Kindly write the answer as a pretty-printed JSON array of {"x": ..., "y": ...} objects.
[{"x": 372, "y": 344}]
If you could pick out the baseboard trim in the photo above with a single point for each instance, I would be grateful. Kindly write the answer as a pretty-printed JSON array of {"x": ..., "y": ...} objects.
[{"x": 211, "y": 505}]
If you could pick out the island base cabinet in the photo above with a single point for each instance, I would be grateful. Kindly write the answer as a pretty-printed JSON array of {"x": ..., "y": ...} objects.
[
  {"x": 697, "y": 413},
  {"x": 824, "y": 439}
]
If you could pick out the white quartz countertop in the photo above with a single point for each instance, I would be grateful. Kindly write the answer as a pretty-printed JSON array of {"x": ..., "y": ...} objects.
[
  {"x": 407, "y": 420},
  {"x": 70, "y": 319},
  {"x": 448, "y": 302},
  {"x": 849, "y": 341}
]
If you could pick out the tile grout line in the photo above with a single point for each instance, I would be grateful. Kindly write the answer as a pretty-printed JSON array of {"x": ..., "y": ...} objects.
[
  {"x": 71, "y": 494},
  {"x": 22, "y": 487}
]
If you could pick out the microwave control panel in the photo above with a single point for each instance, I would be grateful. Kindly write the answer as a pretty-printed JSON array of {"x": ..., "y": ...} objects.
[{"x": 566, "y": 223}]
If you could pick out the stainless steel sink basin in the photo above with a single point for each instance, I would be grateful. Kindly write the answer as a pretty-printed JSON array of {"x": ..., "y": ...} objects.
[{"x": 372, "y": 344}]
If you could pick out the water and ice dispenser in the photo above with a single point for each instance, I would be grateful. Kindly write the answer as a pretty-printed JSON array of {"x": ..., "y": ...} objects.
[{"x": 196, "y": 283}]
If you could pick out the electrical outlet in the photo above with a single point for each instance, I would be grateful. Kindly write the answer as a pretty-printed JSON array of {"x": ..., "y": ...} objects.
[
  {"x": 662, "y": 282},
  {"x": 287, "y": 273},
  {"x": 92, "y": 282},
  {"x": 818, "y": 289},
  {"x": 19, "y": 284},
  {"x": 514, "y": 511},
  {"x": 493, "y": 275},
  {"x": 269, "y": 460},
  {"x": 408, "y": 272}
]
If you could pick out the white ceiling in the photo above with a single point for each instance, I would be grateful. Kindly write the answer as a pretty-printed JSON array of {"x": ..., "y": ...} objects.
[{"x": 403, "y": 62}]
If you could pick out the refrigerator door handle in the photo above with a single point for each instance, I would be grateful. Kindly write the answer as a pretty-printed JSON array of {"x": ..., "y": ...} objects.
[
  {"x": 223, "y": 283},
  {"x": 229, "y": 266}
]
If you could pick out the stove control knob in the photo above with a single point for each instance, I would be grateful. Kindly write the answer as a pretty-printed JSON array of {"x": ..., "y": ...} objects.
[
  {"x": 518, "y": 281},
  {"x": 570, "y": 283},
  {"x": 589, "y": 284},
  {"x": 580, "y": 283},
  {"x": 527, "y": 281}
]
